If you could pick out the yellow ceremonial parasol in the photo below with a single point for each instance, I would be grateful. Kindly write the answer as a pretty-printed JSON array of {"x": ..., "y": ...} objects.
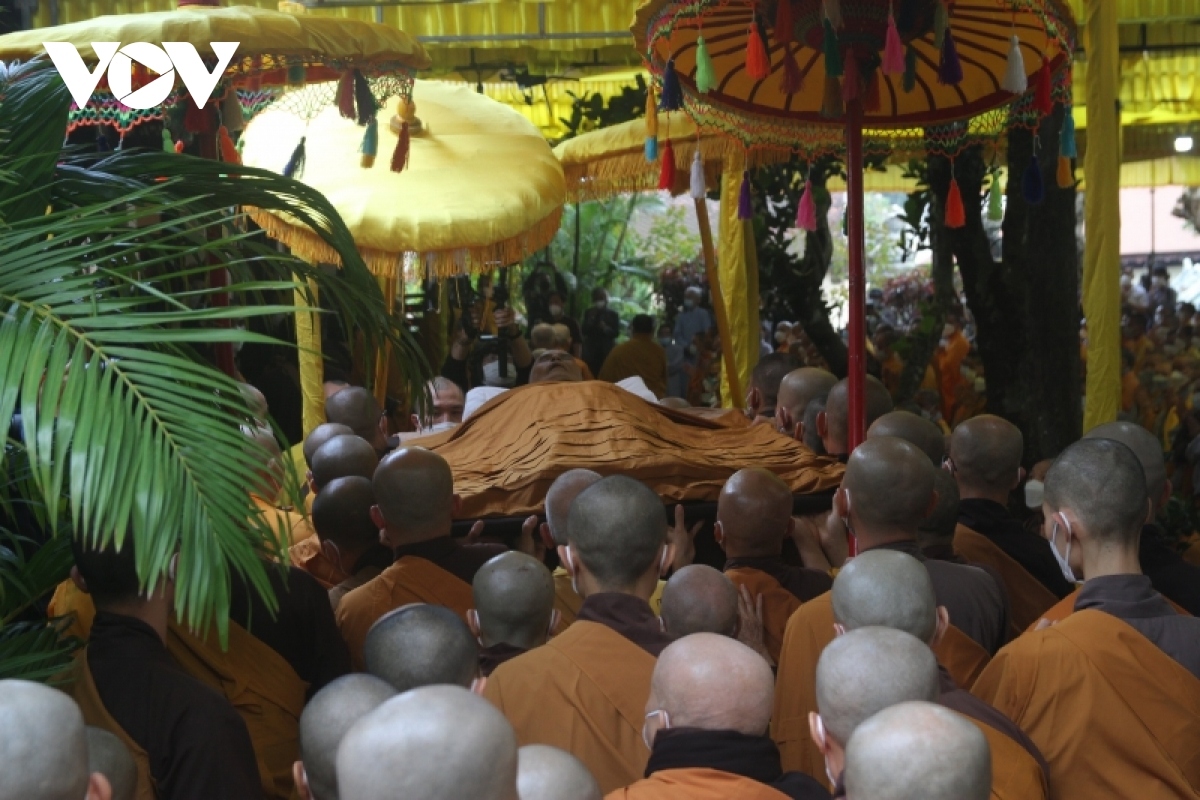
[{"x": 482, "y": 189}]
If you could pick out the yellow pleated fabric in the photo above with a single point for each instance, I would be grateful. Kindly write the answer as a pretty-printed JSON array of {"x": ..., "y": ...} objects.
[
  {"x": 1102, "y": 218},
  {"x": 312, "y": 366},
  {"x": 736, "y": 258}
]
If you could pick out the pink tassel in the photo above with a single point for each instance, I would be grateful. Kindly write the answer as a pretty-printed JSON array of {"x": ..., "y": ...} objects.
[
  {"x": 806, "y": 214},
  {"x": 790, "y": 79},
  {"x": 893, "y": 50}
]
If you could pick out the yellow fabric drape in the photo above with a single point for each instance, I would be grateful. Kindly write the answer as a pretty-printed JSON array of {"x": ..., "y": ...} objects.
[
  {"x": 736, "y": 256},
  {"x": 383, "y": 359},
  {"x": 312, "y": 367},
  {"x": 1102, "y": 218}
]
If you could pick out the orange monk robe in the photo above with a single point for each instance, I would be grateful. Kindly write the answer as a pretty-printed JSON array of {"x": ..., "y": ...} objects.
[
  {"x": 949, "y": 364},
  {"x": 585, "y": 692},
  {"x": 295, "y": 526},
  {"x": 568, "y": 601},
  {"x": 697, "y": 783},
  {"x": 409, "y": 580},
  {"x": 87, "y": 697},
  {"x": 1192, "y": 554},
  {"x": 1066, "y": 607},
  {"x": 778, "y": 604},
  {"x": 640, "y": 357},
  {"x": 808, "y": 632},
  {"x": 308, "y": 556},
  {"x": 1114, "y": 715},
  {"x": 1016, "y": 775},
  {"x": 1027, "y": 596}
]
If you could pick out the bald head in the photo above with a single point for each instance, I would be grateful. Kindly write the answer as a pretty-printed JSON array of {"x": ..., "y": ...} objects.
[
  {"x": 888, "y": 589},
  {"x": 414, "y": 490},
  {"x": 617, "y": 528},
  {"x": 256, "y": 400},
  {"x": 547, "y": 773},
  {"x": 837, "y": 411},
  {"x": 799, "y": 388},
  {"x": 865, "y": 671},
  {"x": 48, "y": 758},
  {"x": 754, "y": 512},
  {"x": 713, "y": 683},
  {"x": 109, "y": 756},
  {"x": 918, "y": 751},
  {"x": 435, "y": 743},
  {"x": 986, "y": 451},
  {"x": 357, "y": 409},
  {"x": 561, "y": 495},
  {"x": 699, "y": 599},
  {"x": 1146, "y": 447},
  {"x": 327, "y": 718},
  {"x": 514, "y": 599},
  {"x": 341, "y": 513},
  {"x": 939, "y": 526},
  {"x": 320, "y": 435},
  {"x": 768, "y": 374},
  {"x": 890, "y": 485},
  {"x": 1102, "y": 483},
  {"x": 913, "y": 429},
  {"x": 341, "y": 457},
  {"x": 421, "y": 645}
]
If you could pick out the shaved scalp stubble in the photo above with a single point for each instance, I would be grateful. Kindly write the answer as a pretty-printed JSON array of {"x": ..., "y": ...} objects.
[
  {"x": 700, "y": 599},
  {"x": 320, "y": 435},
  {"x": 414, "y": 489},
  {"x": 885, "y": 588},
  {"x": 768, "y": 374},
  {"x": 913, "y": 429},
  {"x": 890, "y": 483},
  {"x": 713, "y": 683},
  {"x": 547, "y": 773},
  {"x": 617, "y": 527},
  {"x": 754, "y": 509},
  {"x": 341, "y": 513},
  {"x": 1103, "y": 483},
  {"x": 355, "y": 408},
  {"x": 341, "y": 457},
  {"x": 987, "y": 452},
  {"x": 44, "y": 747},
  {"x": 421, "y": 645},
  {"x": 801, "y": 386},
  {"x": 878, "y": 401},
  {"x": 327, "y": 718},
  {"x": 1145, "y": 446},
  {"x": 514, "y": 598},
  {"x": 561, "y": 495},
  {"x": 109, "y": 756}
]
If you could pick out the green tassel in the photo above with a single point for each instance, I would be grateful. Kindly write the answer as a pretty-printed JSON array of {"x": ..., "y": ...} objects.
[
  {"x": 706, "y": 75},
  {"x": 168, "y": 142},
  {"x": 910, "y": 69},
  {"x": 941, "y": 21},
  {"x": 833, "y": 53},
  {"x": 995, "y": 210},
  {"x": 296, "y": 74}
]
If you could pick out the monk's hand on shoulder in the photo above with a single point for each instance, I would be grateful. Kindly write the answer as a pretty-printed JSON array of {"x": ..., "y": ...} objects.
[
  {"x": 684, "y": 539},
  {"x": 1044, "y": 623},
  {"x": 750, "y": 623},
  {"x": 529, "y": 542},
  {"x": 475, "y": 533},
  {"x": 835, "y": 541},
  {"x": 806, "y": 533}
]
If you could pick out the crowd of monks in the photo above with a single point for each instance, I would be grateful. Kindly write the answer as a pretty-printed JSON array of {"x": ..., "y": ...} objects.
[{"x": 959, "y": 655}]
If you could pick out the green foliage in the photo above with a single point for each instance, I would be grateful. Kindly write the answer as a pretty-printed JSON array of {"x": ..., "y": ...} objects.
[
  {"x": 589, "y": 112},
  {"x": 1187, "y": 208}
]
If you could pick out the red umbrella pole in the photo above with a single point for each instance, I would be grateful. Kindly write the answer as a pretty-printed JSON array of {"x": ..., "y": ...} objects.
[{"x": 857, "y": 365}]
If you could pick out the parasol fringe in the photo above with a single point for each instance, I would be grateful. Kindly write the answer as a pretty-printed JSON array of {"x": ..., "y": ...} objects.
[
  {"x": 758, "y": 63},
  {"x": 706, "y": 74},
  {"x": 1015, "y": 79},
  {"x": 785, "y": 23},
  {"x": 893, "y": 50}
]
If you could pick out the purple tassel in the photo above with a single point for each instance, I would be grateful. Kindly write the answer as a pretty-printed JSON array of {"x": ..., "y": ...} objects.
[
  {"x": 950, "y": 71},
  {"x": 745, "y": 200},
  {"x": 1031, "y": 185}
]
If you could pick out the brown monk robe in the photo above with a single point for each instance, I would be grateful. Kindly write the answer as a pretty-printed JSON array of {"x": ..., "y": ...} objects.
[
  {"x": 1110, "y": 695},
  {"x": 287, "y": 526},
  {"x": 887, "y": 491},
  {"x": 585, "y": 690},
  {"x": 514, "y": 608},
  {"x": 706, "y": 719},
  {"x": 985, "y": 459},
  {"x": 347, "y": 549},
  {"x": 415, "y": 507},
  {"x": 754, "y": 516},
  {"x": 640, "y": 357}
]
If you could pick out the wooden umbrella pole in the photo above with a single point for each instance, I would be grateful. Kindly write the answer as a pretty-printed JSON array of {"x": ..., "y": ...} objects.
[
  {"x": 718, "y": 300},
  {"x": 857, "y": 365}
]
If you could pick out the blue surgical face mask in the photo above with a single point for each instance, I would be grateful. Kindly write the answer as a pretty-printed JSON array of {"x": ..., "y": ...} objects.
[
  {"x": 665, "y": 341},
  {"x": 689, "y": 304}
]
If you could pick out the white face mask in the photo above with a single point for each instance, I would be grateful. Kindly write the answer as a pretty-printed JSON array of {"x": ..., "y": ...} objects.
[
  {"x": 601, "y": 304},
  {"x": 781, "y": 336},
  {"x": 555, "y": 310},
  {"x": 571, "y": 569},
  {"x": 1035, "y": 491},
  {"x": 439, "y": 426},
  {"x": 1064, "y": 561},
  {"x": 947, "y": 331},
  {"x": 492, "y": 377},
  {"x": 666, "y": 723}
]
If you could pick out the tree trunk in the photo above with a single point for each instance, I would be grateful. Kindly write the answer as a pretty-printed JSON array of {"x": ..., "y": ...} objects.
[
  {"x": 924, "y": 340},
  {"x": 810, "y": 302}
]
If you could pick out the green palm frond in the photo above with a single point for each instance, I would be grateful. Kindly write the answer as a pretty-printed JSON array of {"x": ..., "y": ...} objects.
[{"x": 34, "y": 651}]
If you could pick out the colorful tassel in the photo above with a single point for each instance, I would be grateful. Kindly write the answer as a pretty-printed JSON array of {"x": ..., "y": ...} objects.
[
  {"x": 893, "y": 50},
  {"x": 850, "y": 81},
  {"x": 400, "y": 154},
  {"x": 195, "y": 119},
  {"x": 651, "y": 112},
  {"x": 364, "y": 101},
  {"x": 295, "y": 165},
  {"x": 791, "y": 79},
  {"x": 168, "y": 143},
  {"x": 706, "y": 75},
  {"x": 995, "y": 200},
  {"x": 296, "y": 75},
  {"x": 102, "y": 144},
  {"x": 651, "y": 148},
  {"x": 941, "y": 21},
  {"x": 909, "y": 81},
  {"x": 1031, "y": 183},
  {"x": 229, "y": 153},
  {"x": 758, "y": 63},
  {"x": 806, "y": 213},
  {"x": 956, "y": 215},
  {"x": 833, "y": 13},
  {"x": 745, "y": 199},
  {"x": 1066, "y": 174},
  {"x": 370, "y": 145},
  {"x": 1066, "y": 137},
  {"x": 950, "y": 72},
  {"x": 1042, "y": 100},
  {"x": 906, "y": 20},
  {"x": 871, "y": 100},
  {"x": 179, "y": 147},
  {"x": 345, "y": 95},
  {"x": 1015, "y": 79},
  {"x": 831, "y": 101},
  {"x": 698, "y": 187},
  {"x": 833, "y": 52},
  {"x": 785, "y": 23},
  {"x": 231, "y": 112},
  {"x": 666, "y": 174},
  {"x": 672, "y": 93}
]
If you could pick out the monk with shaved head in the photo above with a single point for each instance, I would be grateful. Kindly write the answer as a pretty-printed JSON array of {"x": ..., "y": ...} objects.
[
  {"x": 699, "y": 599},
  {"x": 1106, "y": 692},
  {"x": 797, "y": 389},
  {"x": 349, "y": 552},
  {"x": 110, "y": 757},
  {"x": 833, "y": 422},
  {"x": 585, "y": 689},
  {"x": 706, "y": 724},
  {"x": 319, "y": 436},
  {"x": 917, "y": 751},
  {"x": 765, "y": 381},
  {"x": 341, "y": 457},
  {"x": 886, "y": 492},
  {"x": 43, "y": 746},
  {"x": 357, "y": 409},
  {"x": 1169, "y": 574},
  {"x": 287, "y": 525},
  {"x": 754, "y": 517},
  {"x": 892, "y": 590},
  {"x": 415, "y": 506},
  {"x": 912, "y": 428},
  {"x": 562, "y": 492},
  {"x": 327, "y": 718},
  {"x": 435, "y": 743},
  {"x": 514, "y": 608},
  {"x": 985, "y": 459},
  {"x": 547, "y": 773},
  {"x": 422, "y": 645}
]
